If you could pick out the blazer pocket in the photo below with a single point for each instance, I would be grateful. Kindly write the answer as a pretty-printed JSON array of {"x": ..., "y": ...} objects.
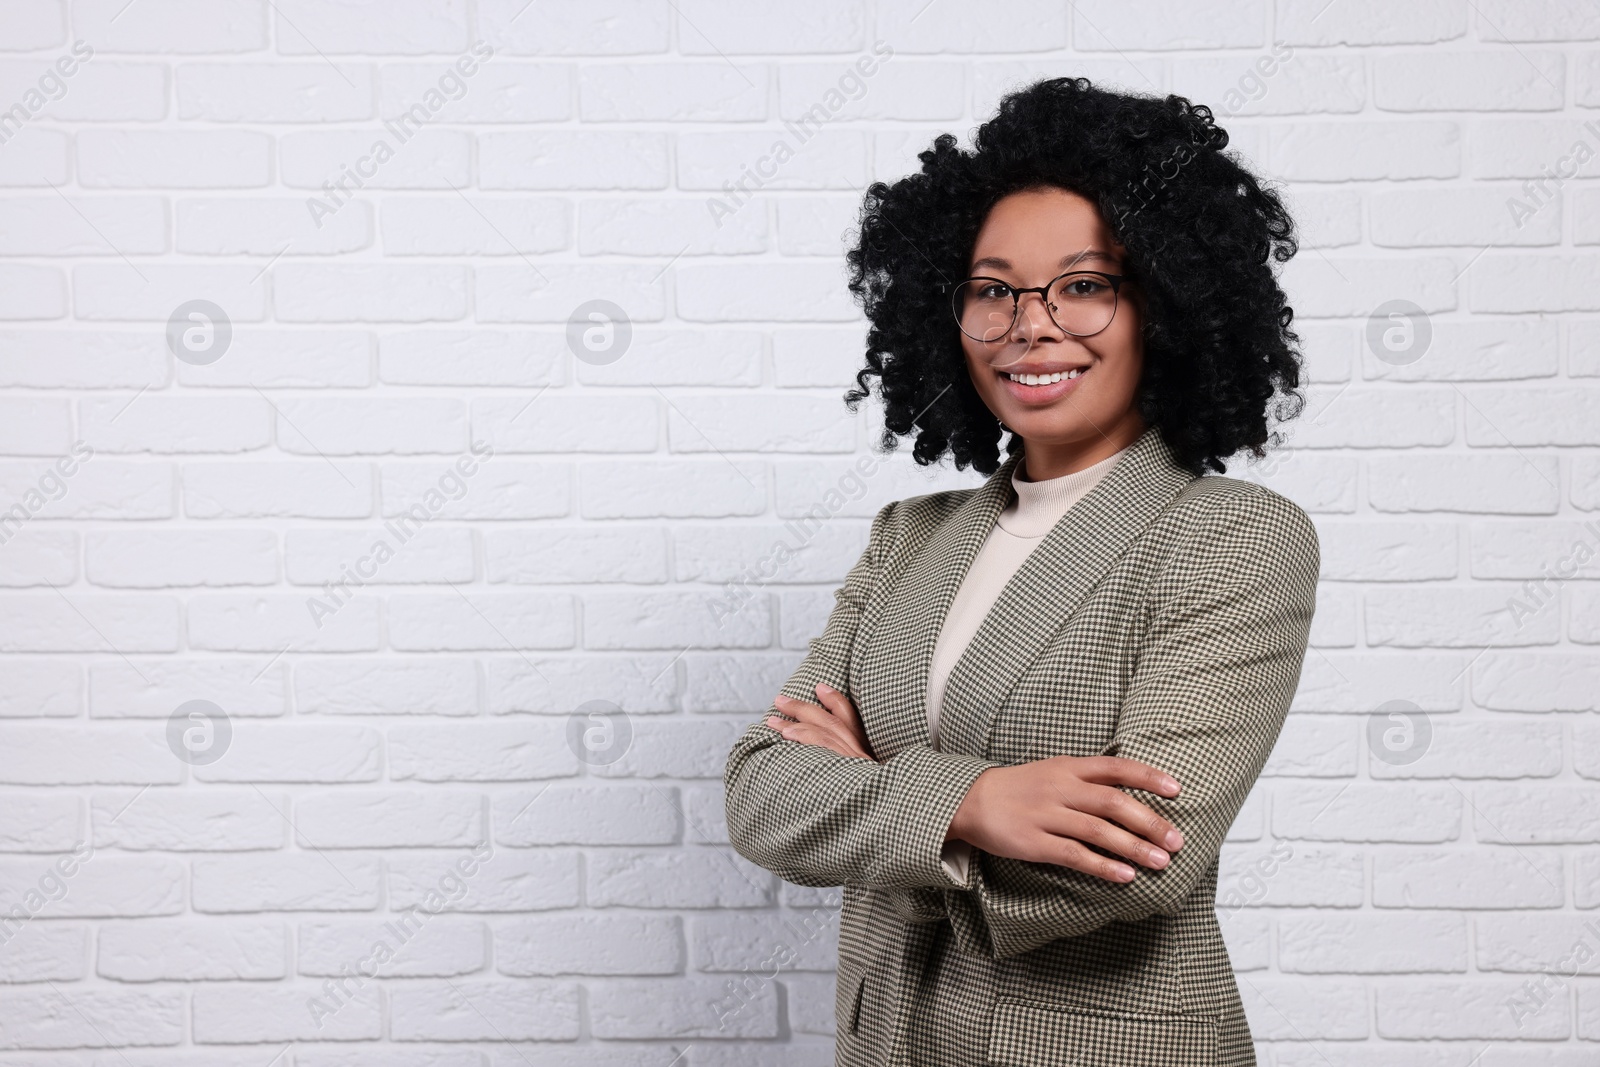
[
  {"x": 1024, "y": 1034},
  {"x": 848, "y": 986}
]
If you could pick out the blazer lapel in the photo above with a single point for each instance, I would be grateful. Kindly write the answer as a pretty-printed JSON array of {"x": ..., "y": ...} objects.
[
  {"x": 898, "y": 632},
  {"x": 1049, "y": 587}
]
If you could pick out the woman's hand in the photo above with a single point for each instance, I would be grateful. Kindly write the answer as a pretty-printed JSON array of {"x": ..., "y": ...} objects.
[
  {"x": 834, "y": 725},
  {"x": 1045, "y": 811},
  {"x": 1048, "y": 810}
]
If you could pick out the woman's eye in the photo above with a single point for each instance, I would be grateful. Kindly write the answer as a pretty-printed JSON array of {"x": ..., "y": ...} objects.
[{"x": 1083, "y": 287}]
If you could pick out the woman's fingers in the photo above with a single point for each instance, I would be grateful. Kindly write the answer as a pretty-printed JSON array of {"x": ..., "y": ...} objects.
[
  {"x": 1113, "y": 805},
  {"x": 846, "y": 717},
  {"x": 1051, "y": 811},
  {"x": 836, "y": 718},
  {"x": 798, "y": 731},
  {"x": 799, "y": 709},
  {"x": 837, "y": 703},
  {"x": 1069, "y": 853},
  {"x": 809, "y": 734},
  {"x": 1107, "y": 772},
  {"x": 1118, "y": 807},
  {"x": 1118, "y": 770},
  {"x": 830, "y": 704},
  {"x": 1089, "y": 829}
]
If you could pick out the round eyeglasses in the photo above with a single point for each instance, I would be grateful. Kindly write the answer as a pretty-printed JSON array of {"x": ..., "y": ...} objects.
[{"x": 1080, "y": 302}]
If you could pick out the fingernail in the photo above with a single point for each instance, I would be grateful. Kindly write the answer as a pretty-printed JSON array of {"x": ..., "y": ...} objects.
[
  {"x": 773, "y": 721},
  {"x": 1173, "y": 839},
  {"x": 1124, "y": 874},
  {"x": 1158, "y": 859},
  {"x": 1169, "y": 784},
  {"x": 825, "y": 685}
]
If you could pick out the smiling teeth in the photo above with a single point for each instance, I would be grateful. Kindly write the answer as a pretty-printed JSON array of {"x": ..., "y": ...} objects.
[{"x": 1045, "y": 379}]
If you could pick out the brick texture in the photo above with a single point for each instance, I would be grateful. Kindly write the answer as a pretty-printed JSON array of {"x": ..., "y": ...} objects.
[{"x": 373, "y": 632}]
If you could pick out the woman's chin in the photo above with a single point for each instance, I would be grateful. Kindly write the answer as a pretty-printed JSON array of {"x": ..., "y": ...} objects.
[{"x": 1049, "y": 429}]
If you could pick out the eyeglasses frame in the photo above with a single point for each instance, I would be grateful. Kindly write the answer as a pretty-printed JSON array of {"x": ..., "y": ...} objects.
[{"x": 1114, "y": 280}]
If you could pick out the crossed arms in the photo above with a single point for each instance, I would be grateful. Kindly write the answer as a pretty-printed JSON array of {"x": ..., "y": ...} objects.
[{"x": 1230, "y": 616}]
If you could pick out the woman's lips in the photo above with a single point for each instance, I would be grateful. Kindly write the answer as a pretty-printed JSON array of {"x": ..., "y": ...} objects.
[{"x": 1040, "y": 394}]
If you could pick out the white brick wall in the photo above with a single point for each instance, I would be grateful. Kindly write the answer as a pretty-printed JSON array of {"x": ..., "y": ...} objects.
[{"x": 515, "y": 711}]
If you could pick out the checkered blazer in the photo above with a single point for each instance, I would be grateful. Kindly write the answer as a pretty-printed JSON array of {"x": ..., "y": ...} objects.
[{"x": 1164, "y": 619}]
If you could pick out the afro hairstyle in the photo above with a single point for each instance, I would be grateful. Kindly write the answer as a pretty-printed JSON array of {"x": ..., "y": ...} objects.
[{"x": 1201, "y": 235}]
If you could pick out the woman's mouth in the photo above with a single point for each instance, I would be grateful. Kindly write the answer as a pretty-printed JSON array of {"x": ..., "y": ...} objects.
[{"x": 1041, "y": 387}]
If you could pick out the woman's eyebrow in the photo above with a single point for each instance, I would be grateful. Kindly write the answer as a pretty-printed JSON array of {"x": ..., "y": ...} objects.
[{"x": 1086, "y": 256}]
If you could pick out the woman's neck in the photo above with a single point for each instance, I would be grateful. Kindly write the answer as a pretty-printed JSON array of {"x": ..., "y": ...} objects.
[{"x": 1043, "y": 460}]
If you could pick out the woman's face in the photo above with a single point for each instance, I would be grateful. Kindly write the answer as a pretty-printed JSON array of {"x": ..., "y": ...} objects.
[{"x": 1028, "y": 239}]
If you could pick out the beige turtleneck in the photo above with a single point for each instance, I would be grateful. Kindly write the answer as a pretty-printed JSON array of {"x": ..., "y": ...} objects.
[{"x": 1034, "y": 512}]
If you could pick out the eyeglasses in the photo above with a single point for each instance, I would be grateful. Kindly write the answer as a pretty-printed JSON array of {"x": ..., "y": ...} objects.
[{"x": 1080, "y": 302}]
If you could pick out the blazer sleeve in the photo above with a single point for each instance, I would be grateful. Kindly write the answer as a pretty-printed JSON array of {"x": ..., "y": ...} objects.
[
  {"x": 816, "y": 818},
  {"x": 1212, "y": 685}
]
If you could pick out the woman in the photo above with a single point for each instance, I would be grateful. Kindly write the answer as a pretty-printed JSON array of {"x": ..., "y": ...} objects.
[{"x": 1038, "y": 705}]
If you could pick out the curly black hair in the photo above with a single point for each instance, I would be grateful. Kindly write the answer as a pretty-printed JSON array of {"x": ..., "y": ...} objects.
[{"x": 1200, "y": 233}]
